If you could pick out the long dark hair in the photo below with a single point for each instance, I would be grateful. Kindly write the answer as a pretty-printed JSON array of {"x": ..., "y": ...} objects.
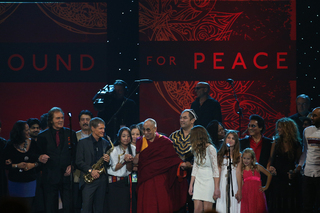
[
  {"x": 212, "y": 129},
  {"x": 118, "y": 142},
  {"x": 17, "y": 135},
  {"x": 136, "y": 126}
]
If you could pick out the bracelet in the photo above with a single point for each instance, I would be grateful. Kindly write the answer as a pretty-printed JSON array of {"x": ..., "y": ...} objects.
[
  {"x": 16, "y": 166},
  {"x": 36, "y": 164}
]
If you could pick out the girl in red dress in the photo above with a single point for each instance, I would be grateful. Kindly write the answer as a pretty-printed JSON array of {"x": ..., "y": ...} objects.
[{"x": 253, "y": 197}]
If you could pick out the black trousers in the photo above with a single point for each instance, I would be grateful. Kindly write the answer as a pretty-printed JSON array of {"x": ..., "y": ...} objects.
[
  {"x": 311, "y": 194},
  {"x": 93, "y": 195},
  {"x": 51, "y": 192}
]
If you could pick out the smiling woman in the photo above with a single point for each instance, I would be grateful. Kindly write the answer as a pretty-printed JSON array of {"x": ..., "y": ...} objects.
[
  {"x": 120, "y": 184},
  {"x": 284, "y": 191},
  {"x": 21, "y": 157}
]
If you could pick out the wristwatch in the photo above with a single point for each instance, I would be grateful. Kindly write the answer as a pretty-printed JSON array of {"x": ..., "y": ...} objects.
[{"x": 90, "y": 170}]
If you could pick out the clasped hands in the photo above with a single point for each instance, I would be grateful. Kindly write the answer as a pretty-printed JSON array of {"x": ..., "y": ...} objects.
[
  {"x": 23, "y": 165},
  {"x": 128, "y": 158}
]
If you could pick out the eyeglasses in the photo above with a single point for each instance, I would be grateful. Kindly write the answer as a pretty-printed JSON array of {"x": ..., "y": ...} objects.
[
  {"x": 252, "y": 125},
  {"x": 146, "y": 130},
  {"x": 197, "y": 88}
]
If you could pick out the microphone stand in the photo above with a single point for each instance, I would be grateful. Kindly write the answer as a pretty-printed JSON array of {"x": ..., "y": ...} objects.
[
  {"x": 230, "y": 183},
  {"x": 114, "y": 115},
  {"x": 240, "y": 109},
  {"x": 71, "y": 146}
]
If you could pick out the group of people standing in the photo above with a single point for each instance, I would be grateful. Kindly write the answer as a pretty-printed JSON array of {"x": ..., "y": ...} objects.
[{"x": 200, "y": 167}]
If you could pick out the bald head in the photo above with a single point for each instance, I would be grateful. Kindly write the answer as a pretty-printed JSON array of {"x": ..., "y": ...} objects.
[
  {"x": 315, "y": 117},
  {"x": 152, "y": 121},
  {"x": 202, "y": 89}
]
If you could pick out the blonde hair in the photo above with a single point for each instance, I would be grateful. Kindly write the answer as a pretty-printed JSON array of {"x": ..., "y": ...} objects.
[
  {"x": 199, "y": 138},
  {"x": 290, "y": 135},
  {"x": 224, "y": 149},
  {"x": 254, "y": 165}
]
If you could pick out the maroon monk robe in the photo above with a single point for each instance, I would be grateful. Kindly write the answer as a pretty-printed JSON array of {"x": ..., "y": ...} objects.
[{"x": 159, "y": 189}]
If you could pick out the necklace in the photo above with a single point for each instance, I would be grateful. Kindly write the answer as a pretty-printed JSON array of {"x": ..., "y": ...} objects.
[{"x": 24, "y": 148}]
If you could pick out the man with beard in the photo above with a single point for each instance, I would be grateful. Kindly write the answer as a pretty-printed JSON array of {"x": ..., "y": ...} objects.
[
  {"x": 260, "y": 144},
  {"x": 84, "y": 120},
  {"x": 34, "y": 126},
  {"x": 34, "y": 130},
  {"x": 85, "y": 131},
  {"x": 311, "y": 158}
]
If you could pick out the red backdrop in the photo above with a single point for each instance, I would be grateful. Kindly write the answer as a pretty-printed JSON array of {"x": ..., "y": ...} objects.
[{"x": 252, "y": 42}]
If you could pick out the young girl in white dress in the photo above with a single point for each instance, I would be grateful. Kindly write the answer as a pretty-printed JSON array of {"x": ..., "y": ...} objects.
[
  {"x": 230, "y": 145},
  {"x": 205, "y": 172}
]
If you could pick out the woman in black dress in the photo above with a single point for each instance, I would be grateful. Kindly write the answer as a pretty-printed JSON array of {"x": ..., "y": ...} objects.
[
  {"x": 284, "y": 191},
  {"x": 21, "y": 161}
]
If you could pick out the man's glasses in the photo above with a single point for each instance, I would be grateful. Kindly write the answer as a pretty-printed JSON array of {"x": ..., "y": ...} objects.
[
  {"x": 197, "y": 88},
  {"x": 252, "y": 125}
]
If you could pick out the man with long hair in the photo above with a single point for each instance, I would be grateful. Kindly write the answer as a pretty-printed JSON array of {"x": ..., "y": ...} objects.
[{"x": 55, "y": 145}]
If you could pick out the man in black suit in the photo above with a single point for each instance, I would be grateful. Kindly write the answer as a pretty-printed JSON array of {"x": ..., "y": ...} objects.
[
  {"x": 261, "y": 145},
  {"x": 56, "y": 148},
  {"x": 89, "y": 151}
]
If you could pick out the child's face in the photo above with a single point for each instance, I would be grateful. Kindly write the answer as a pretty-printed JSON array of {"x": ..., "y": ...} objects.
[
  {"x": 230, "y": 140},
  {"x": 247, "y": 159}
]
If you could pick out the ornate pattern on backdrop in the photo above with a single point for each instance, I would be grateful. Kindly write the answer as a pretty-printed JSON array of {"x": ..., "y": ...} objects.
[
  {"x": 254, "y": 97},
  {"x": 49, "y": 49},
  {"x": 82, "y": 18},
  {"x": 184, "y": 21},
  {"x": 6, "y": 10},
  {"x": 209, "y": 20},
  {"x": 185, "y": 41}
]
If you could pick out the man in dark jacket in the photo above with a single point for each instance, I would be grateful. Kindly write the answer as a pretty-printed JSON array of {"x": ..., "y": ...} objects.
[
  {"x": 261, "y": 145},
  {"x": 56, "y": 145}
]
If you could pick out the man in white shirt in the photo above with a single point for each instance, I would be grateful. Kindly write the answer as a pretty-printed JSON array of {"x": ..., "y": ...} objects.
[{"x": 311, "y": 158}]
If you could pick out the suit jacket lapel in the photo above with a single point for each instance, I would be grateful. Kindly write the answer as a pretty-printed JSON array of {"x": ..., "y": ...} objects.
[{"x": 90, "y": 147}]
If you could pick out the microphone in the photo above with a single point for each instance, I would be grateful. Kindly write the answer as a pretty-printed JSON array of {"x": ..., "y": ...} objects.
[
  {"x": 69, "y": 114},
  {"x": 228, "y": 145},
  {"x": 230, "y": 81},
  {"x": 245, "y": 132},
  {"x": 143, "y": 81}
]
